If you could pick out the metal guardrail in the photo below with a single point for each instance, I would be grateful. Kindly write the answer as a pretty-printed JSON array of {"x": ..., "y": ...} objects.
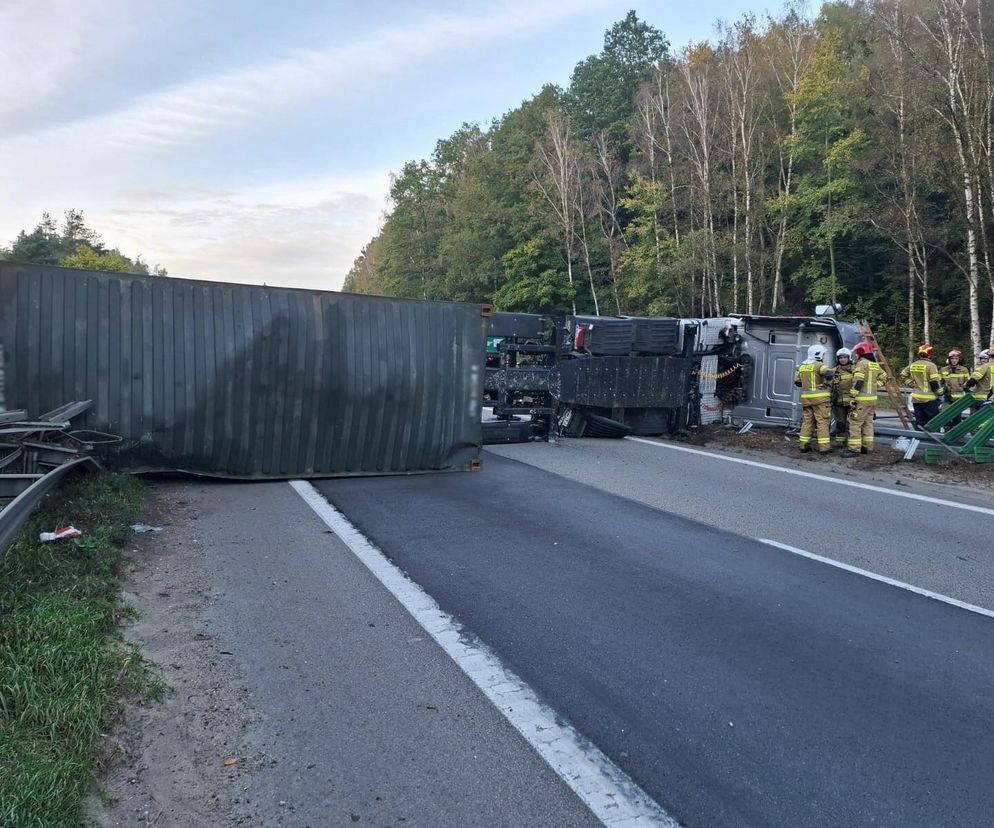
[
  {"x": 16, "y": 513},
  {"x": 35, "y": 455}
]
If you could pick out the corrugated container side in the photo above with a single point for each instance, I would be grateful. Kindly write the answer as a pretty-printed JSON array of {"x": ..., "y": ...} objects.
[{"x": 245, "y": 380}]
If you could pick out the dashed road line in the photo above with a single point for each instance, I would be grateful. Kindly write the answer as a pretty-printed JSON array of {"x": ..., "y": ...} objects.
[{"x": 938, "y": 596}]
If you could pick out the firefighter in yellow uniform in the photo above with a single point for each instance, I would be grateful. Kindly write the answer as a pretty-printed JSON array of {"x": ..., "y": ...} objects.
[
  {"x": 981, "y": 378},
  {"x": 868, "y": 376},
  {"x": 841, "y": 394},
  {"x": 922, "y": 376},
  {"x": 954, "y": 376},
  {"x": 812, "y": 378}
]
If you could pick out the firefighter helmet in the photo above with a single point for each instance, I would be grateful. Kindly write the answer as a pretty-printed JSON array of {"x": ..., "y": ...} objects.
[
  {"x": 956, "y": 352},
  {"x": 862, "y": 349},
  {"x": 926, "y": 350},
  {"x": 816, "y": 353},
  {"x": 843, "y": 352},
  {"x": 984, "y": 354}
]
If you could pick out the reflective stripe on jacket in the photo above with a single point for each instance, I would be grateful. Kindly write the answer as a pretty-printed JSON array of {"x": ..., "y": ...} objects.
[
  {"x": 982, "y": 375},
  {"x": 813, "y": 377},
  {"x": 872, "y": 377},
  {"x": 954, "y": 379},
  {"x": 921, "y": 373}
]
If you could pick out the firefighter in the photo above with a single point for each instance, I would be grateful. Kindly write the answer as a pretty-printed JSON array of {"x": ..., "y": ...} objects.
[
  {"x": 980, "y": 382},
  {"x": 841, "y": 394},
  {"x": 868, "y": 376},
  {"x": 926, "y": 384},
  {"x": 954, "y": 375},
  {"x": 812, "y": 378}
]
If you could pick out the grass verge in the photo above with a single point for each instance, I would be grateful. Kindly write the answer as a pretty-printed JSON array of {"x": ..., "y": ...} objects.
[{"x": 64, "y": 670}]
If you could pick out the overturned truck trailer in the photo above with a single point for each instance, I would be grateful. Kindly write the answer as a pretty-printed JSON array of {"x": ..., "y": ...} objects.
[
  {"x": 588, "y": 376},
  {"x": 246, "y": 381}
]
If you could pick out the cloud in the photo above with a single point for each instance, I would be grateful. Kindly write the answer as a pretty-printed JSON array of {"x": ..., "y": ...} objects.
[
  {"x": 143, "y": 170},
  {"x": 302, "y": 233},
  {"x": 183, "y": 114},
  {"x": 50, "y": 46}
]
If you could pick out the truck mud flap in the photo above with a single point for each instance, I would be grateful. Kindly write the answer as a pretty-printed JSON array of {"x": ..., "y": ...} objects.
[
  {"x": 497, "y": 432},
  {"x": 578, "y": 423}
]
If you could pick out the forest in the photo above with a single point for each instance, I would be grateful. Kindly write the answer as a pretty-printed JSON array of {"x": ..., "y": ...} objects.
[{"x": 843, "y": 156}]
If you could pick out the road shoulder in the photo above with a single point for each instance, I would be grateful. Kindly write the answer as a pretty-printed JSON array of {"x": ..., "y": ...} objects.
[{"x": 287, "y": 655}]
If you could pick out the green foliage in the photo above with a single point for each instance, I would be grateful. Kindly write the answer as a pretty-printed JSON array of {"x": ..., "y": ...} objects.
[
  {"x": 645, "y": 286},
  {"x": 85, "y": 257},
  {"x": 63, "y": 671},
  {"x": 72, "y": 245},
  {"x": 536, "y": 281},
  {"x": 603, "y": 86},
  {"x": 660, "y": 212}
]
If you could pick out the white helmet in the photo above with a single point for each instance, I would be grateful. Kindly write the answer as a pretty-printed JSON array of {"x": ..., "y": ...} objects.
[
  {"x": 816, "y": 353},
  {"x": 844, "y": 352},
  {"x": 984, "y": 354}
]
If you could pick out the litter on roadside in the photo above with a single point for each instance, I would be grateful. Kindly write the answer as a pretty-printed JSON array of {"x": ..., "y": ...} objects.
[
  {"x": 64, "y": 533},
  {"x": 142, "y": 528}
]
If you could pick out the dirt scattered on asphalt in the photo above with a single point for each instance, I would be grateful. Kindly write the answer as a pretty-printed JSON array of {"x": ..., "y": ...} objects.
[
  {"x": 778, "y": 441},
  {"x": 184, "y": 761}
]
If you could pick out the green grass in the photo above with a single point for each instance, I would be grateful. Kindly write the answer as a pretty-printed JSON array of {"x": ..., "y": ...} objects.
[{"x": 64, "y": 671}]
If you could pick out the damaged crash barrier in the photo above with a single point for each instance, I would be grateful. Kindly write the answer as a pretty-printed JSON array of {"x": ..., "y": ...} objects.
[{"x": 36, "y": 454}]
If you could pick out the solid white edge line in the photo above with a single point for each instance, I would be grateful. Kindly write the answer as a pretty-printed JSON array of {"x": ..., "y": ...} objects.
[
  {"x": 866, "y": 486},
  {"x": 613, "y": 797},
  {"x": 882, "y": 578}
]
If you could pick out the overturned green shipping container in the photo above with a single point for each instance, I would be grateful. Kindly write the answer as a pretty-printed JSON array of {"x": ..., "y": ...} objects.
[{"x": 246, "y": 381}]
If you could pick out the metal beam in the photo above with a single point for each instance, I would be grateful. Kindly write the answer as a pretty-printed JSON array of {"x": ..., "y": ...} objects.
[
  {"x": 66, "y": 412},
  {"x": 11, "y": 485},
  {"x": 14, "y": 515}
]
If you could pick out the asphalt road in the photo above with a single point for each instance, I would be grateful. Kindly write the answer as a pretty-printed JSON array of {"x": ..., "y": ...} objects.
[
  {"x": 926, "y": 544},
  {"x": 738, "y": 684},
  {"x": 365, "y": 719}
]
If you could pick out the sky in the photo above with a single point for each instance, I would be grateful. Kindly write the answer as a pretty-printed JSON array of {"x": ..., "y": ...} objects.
[{"x": 247, "y": 141}]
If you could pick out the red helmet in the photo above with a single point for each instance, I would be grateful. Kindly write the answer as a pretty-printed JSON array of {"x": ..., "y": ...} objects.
[
  {"x": 956, "y": 352},
  {"x": 862, "y": 349},
  {"x": 926, "y": 350}
]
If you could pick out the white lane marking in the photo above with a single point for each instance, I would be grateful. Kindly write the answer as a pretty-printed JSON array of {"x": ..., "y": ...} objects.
[
  {"x": 984, "y": 510},
  {"x": 605, "y": 789},
  {"x": 882, "y": 578}
]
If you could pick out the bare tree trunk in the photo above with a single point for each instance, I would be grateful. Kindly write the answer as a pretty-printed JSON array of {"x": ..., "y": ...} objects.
[
  {"x": 560, "y": 182},
  {"x": 794, "y": 52},
  {"x": 948, "y": 29},
  {"x": 911, "y": 306},
  {"x": 609, "y": 171},
  {"x": 700, "y": 131},
  {"x": 586, "y": 250},
  {"x": 735, "y": 231},
  {"x": 656, "y": 102},
  {"x": 926, "y": 311},
  {"x": 738, "y": 61}
]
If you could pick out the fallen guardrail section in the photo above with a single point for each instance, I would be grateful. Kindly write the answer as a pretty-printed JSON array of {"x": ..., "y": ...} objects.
[{"x": 36, "y": 454}]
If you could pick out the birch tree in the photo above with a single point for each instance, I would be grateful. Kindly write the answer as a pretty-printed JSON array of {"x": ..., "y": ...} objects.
[
  {"x": 788, "y": 51},
  {"x": 945, "y": 25},
  {"x": 558, "y": 179},
  {"x": 700, "y": 127}
]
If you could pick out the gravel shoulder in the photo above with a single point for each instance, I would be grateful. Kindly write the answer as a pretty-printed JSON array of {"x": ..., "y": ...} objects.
[
  {"x": 285, "y": 654},
  {"x": 165, "y": 763}
]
